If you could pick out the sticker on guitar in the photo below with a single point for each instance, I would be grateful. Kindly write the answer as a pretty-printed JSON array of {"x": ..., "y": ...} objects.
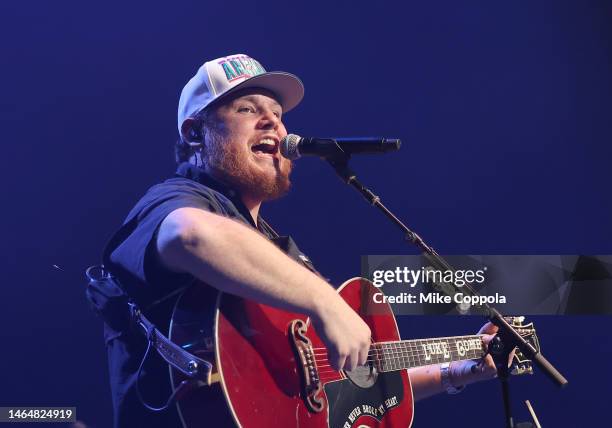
[{"x": 368, "y": 410}]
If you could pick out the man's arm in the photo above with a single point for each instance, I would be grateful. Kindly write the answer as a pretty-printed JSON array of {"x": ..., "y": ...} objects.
[
  {"x": 235, "y": 259},
  {"x": 427, "y": 381}
]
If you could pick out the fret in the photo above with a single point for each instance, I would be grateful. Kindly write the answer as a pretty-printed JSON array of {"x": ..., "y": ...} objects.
[
  {"x": 411, "y": 358},
  {"x": 407, "y": 358},
  {"x": 387, "y": 357}
]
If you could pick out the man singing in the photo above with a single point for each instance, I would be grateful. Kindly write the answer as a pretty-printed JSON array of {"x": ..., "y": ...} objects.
[{"x": 204, "y": 225}]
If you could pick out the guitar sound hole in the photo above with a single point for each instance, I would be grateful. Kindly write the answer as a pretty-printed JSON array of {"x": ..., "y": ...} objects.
[{"x": 363, "y": 376}]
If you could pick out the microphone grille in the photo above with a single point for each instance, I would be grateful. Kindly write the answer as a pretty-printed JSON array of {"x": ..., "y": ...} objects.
[{"x": 289, "y": 146}]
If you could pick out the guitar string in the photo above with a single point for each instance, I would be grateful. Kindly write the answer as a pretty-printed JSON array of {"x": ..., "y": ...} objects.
[
  {"x": 422, "y": 360},
  {"x": 412, "y": 353},
  {"x": 402, "y": 360},
  {"x": 406, "y": 350},
  {"x": 417, "y": 342},
  {"x": 406, "y": 353},
  {"x": 326, "y": 372},
  {"x": 433, "y": 359},
  {"x": 402, "y": 363},
  {"x": 414, "y": 356},
  {"x": 419, "y": 357},
  {"x": 389, "y": 357},
  {"x": 417, "y": 363},
  {"x": 395, "y": 355},
  {"x": 393, "y": 349}
]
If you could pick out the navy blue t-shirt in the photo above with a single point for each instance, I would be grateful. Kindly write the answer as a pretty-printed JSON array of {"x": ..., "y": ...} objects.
[{"x": 132, "y": 258}]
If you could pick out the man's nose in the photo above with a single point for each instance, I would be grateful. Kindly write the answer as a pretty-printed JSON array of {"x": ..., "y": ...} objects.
[{"x": 269, "y": 120}]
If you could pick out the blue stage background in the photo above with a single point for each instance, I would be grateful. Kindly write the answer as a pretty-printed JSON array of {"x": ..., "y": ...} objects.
[{"x": 505, "y": 114}]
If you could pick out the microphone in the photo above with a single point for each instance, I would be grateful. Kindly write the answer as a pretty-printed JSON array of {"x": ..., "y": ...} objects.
[{"x": 293, "y": 146}]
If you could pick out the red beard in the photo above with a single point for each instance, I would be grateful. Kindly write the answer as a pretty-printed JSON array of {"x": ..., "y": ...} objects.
[{"x": 235, "y": 169}]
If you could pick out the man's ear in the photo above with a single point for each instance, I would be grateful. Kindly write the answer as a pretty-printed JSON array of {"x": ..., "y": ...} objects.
[{"x": 191, "y": 134}]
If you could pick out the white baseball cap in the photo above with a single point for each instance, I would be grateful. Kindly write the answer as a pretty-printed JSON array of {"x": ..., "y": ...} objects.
[{"x": 223, "y": 76}]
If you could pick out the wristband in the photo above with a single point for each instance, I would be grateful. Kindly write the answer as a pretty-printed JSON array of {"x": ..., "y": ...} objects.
[{"x": 446, "y": 383}]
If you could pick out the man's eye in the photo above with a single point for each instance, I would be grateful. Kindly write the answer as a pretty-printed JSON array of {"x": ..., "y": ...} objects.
[
  {"x": 277, "y": 114},
  {"x": 246, "y": 109}
]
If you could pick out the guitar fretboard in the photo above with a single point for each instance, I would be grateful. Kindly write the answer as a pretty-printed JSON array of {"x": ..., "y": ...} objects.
[{"x": 406, "y": 354}]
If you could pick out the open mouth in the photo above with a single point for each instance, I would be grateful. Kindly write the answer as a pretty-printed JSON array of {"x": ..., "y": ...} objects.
[{"x": 266, "y": 146}]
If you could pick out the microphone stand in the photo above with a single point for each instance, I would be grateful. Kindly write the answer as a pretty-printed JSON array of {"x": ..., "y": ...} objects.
[{"x": 506, "y": 339}]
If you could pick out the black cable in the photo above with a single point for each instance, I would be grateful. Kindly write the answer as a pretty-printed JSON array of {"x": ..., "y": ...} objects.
[{"x": 172, "y": 397}]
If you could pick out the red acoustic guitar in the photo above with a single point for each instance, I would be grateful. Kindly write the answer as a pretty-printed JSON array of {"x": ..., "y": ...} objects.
[{"x": 270, "y": 368}]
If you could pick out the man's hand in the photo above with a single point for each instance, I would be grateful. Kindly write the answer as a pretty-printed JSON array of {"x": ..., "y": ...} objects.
[
  {"x": 466, "y": 372},
  {"x": 346, "y": 336}
]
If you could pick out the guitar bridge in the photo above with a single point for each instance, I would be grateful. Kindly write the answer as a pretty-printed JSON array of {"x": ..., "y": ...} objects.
[{"x": 305, "y": 359}]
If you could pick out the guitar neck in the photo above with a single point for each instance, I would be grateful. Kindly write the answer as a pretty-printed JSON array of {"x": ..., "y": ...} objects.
[{"x": 406, "y": 354}]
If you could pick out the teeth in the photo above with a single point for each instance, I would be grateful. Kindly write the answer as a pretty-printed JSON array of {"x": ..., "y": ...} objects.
[{"x": 268, "y": 141}]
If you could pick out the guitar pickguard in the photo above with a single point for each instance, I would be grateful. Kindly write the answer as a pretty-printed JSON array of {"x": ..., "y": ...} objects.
[{"x": 351, "y": 404}]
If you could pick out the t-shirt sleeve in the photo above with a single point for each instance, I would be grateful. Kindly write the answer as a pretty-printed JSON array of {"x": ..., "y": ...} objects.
[{"x": 131, "y": 254}]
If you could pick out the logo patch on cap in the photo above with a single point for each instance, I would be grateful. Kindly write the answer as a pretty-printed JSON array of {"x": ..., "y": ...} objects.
[{"x": 242, "y": 67}]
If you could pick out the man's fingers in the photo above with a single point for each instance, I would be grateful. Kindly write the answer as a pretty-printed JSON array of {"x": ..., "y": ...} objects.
[
  {"x": 338, "y": 362},
  {"x": 357, "y": 358},
  {"x": 350, "y": 360},
  {"x": 488, "y": 328},
  {"x": 353, "y": 361},
  {"x": 489, "y": 364},
  {"x": 363, "y": 355},
  {"x": 485, "y": 368},
  {"x": 511, "y": 357}
]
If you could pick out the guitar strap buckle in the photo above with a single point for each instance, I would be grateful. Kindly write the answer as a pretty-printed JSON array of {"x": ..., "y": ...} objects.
[{"x": 191, "y": 366}]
